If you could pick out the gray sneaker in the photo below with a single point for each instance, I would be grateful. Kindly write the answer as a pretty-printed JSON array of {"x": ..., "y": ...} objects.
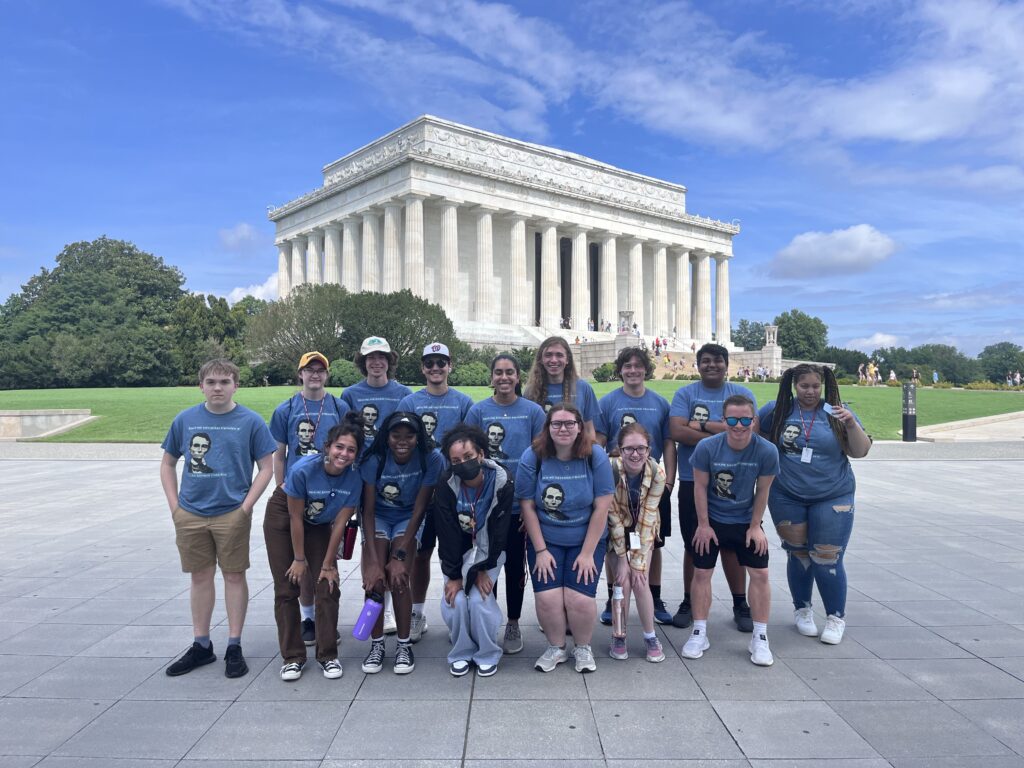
[
  {"x": 584, "y": 659},
  {"x": 551, "y": 658},
  {"x": 418, "y": 627},
  {"x": 513, "y": 642}
]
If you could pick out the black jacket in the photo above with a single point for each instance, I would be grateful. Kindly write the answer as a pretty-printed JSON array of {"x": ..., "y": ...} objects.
[{"x": 454, "y": 542}]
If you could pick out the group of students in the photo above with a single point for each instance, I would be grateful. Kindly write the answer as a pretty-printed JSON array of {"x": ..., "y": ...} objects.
[{"x": 549, "y": 481}]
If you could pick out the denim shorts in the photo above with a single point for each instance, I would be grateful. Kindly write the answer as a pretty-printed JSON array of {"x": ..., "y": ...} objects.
[
  {"x": 565, "y": 576},
  {"x": 391, "y": 526}
]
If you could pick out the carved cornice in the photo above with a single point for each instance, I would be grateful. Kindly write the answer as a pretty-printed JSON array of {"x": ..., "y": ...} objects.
[{"x": 496, "y": 158}]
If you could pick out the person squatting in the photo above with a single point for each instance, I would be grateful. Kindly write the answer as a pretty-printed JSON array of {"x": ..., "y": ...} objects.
[{"x": 549, "y": 485}]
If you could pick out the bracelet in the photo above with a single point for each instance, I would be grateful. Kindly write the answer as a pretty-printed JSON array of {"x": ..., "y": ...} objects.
[
  {"x": 299, "y": 559},
  {"x": 541, "y": 550}
]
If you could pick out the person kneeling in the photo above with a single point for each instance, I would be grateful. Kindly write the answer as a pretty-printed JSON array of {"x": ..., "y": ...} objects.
[
  {"x": 474, "y": 507},
  {"x": 732, "y": 473}
]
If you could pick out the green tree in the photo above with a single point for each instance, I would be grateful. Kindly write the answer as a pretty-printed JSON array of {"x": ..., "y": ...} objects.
[
  {"x": 847, "y": 360},
  {"x": 996, "y": 359},
  {"x": 205, "y": 327},
  {"x": 99, "y": 318},
  {"x": 801, "y": 336},
  {"x": 310, "y": 318},
  {"x": 749, "y": 334},
  {"x": 952, "y": 365}
]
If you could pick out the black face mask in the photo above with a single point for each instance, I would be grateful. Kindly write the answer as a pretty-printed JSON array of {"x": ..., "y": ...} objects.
[{"x": 467, "y": 470}]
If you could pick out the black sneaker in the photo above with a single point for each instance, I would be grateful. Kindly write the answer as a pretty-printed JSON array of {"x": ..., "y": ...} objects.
[
  {"x": 196, "y": 656},
  {"x": 741, "y": 615},
  {"x": 234, "y": 662},
  {"x": 684, "y": 616},
  {"x": 405, "y": 661},
  {"x": 661, "y": 614},
  {"x": 309, "y": 632},
  {"x": 606, "y": 614}
]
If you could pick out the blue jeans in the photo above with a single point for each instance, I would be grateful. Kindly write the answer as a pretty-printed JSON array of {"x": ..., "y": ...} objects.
[{"x": 814, "y": 536}]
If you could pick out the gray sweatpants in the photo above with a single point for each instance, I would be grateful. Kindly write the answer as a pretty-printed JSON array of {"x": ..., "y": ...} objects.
[{"x": 473, "y": 624}]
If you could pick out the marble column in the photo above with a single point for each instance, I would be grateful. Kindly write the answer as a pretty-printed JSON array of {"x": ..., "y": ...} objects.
[
  {"x": 683, "y": 327},
  {"x": 723, "y": 333},
  {"x": 608, "y": 299},
  {"x": 580, "y": 290},
  {"x": 298, "y": 260},
  {"x": 519, "y": 297},
  {"x": 315, "y": 257},
  {"x": 349, "y": 259},
  {"x": 284, "y": 277},
  {"x": 550, "y": 304},
  {"x": 448, "y": 286},
  {"x": 371, "y": 274},
  {"x": 702, "y": 292},
  {"x": 414, "y": 244},
  {"x": 660, "y": 324},
  {"x": 636, "y": 283},
  {"x": 693, "y": 294},
  {"x": 332, "y": 254},
  {"x": 485, "y": 264},
  {"x": 391, "y": 277}
]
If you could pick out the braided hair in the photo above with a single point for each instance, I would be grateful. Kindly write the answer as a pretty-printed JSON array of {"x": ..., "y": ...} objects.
[{"x": 784, "y": 401}]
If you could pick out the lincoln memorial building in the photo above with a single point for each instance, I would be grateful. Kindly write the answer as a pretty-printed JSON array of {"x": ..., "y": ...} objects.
[{"x": 510, "y": 238}]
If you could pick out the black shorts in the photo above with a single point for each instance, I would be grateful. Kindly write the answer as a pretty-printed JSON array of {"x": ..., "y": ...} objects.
[
  {"x": 732, "y": 536},
  {"x": 665, "y": 510},
  {"x": 428, "y": 532},
  {"x": 687, "y": 513}
]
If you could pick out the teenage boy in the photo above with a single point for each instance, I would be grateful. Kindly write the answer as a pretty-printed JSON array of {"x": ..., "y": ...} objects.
[
  {"x": 376, "y": 397},
  {"x": 212, "y": 511},
  {"x": 634, "y": 402},
  {"x": 695, "y": 415},
  {"x": 732, "y": 473},
  {"x": 447, "y": 407},
  {"x": 299, "y": 425}
]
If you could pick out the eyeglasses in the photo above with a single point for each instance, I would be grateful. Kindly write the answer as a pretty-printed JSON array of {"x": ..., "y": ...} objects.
[
  {"x": 568, "y": 426},
  {"x": 732, "y": 421},
  {"x": 638, "y": 450},
  {"x": 315, "y": 371},
  {"x": 435, "y": 362}
]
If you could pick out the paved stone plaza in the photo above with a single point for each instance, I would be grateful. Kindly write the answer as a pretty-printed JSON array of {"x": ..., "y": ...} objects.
[{"x": 93, "y": 606}]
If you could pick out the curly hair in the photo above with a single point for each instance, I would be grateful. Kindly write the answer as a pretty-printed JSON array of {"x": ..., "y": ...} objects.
[{"x": 627, "y": 354}]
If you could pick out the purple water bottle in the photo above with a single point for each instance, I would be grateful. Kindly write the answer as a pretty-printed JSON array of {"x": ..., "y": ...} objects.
[{"x": 368, "y": 616}]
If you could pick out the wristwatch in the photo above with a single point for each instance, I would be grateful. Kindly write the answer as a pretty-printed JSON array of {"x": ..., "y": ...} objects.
[{"x": 399, "y": 555}]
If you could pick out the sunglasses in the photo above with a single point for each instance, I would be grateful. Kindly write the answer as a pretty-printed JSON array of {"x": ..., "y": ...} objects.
[
  {"x": 435, "y": 362},
  {"x": 732, "y": 421}
]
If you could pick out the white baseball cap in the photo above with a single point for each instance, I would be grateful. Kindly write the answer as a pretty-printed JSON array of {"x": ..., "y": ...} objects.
[
  {"x": 374, "y": 344},
  {"x": 436, "y": 348}
]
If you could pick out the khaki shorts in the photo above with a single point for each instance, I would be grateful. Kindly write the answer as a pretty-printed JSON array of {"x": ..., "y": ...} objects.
[{"x": 205, "y": 541}]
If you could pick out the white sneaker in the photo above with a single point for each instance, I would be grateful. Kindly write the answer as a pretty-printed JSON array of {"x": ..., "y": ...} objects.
[
  {"x": 390, "y": 627},
  {"x": 804, "y": 618},
  {"x": 584, "y": 659},
  {"x": 551, "y": 658},
  {"x": 331, "y": 669},
  {"x": 696, "y": 645},
  {"x": 760, "y": 653},
  {"x": 291, "y": 672},
  {"x": 833, "y": 632},
  {"x": 418, "y": 626}
]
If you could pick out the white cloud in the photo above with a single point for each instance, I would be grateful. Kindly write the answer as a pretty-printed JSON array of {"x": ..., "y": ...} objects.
[
  {"x": 873, "y": 342},
  {"x": 267, "y": 290},
  {"x": 828, "y": 254},
  {"x": 241, "y": 237}
]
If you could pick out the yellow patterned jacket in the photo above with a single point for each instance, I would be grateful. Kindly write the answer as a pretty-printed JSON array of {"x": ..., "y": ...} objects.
[{"x": 620, "y": 518}]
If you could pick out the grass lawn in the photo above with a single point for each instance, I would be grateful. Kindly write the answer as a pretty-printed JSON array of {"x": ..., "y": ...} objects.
[{"x": 143, "y": 415}]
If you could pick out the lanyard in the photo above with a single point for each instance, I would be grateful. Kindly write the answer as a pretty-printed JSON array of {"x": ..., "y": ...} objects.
[
  {"x": 472, "y": 506},
  {"x": 305, "y": 407},
  {"x": 807, "y": 429}
]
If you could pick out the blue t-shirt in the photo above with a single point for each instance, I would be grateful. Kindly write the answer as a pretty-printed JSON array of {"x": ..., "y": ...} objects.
[
  {"x": 699, "y": 402},
  {"x": 828, "y": 474},
  {"x": 303, "y": 424},
  {"x": 220, "y": 450},
  {"x": 324, "y": 495},
  {"x": 447, "y": 410},
  {"x": 650, "y": 409},
  {"x": 586, "y": 401},
  {"x": 564, "y": 493},
  {"x": 472, "y": 504},
  {"x": 510, "y": 429},
  {"x": 733, "y": 475},
  {"x": 375, "y": 404},
  {"x": 399, "y": 484}
]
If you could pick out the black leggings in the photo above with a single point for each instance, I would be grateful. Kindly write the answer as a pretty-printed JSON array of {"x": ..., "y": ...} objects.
[{"x": 515, "y": 569}]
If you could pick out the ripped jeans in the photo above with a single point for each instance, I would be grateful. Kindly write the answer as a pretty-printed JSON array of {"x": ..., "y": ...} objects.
[{"x": 814, "y": 536}]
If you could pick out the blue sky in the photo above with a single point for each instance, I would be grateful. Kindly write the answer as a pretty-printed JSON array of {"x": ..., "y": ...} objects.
[{"x": 872, "y": 151}]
